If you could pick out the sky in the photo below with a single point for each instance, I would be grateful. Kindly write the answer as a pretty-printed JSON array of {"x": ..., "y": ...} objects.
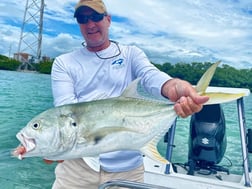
[{"x": 167, "y": 30}]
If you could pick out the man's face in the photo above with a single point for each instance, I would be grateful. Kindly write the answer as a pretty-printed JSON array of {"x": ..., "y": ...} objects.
[{"x": 95, "y": 30}]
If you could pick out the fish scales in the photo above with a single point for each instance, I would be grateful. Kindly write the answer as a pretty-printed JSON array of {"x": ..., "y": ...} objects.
[{"x": 134, "y": 123}]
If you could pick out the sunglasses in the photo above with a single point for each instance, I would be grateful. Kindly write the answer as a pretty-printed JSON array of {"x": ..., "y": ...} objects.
[{"x": 95, "y": 17}]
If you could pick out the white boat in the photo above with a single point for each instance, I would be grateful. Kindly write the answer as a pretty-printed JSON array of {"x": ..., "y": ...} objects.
[{"x": 160, "y": 176}]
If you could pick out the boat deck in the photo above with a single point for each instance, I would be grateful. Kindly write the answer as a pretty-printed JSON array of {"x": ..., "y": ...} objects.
[{"x": 155, "y": 171}]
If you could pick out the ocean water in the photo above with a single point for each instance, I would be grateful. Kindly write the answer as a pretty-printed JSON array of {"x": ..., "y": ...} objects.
[{"x": 24, "y": 95}]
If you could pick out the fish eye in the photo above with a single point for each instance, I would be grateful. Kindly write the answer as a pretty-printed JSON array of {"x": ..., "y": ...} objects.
[
  {"x": 74, "y": 124},
  {"x": 36, "y": 126}
]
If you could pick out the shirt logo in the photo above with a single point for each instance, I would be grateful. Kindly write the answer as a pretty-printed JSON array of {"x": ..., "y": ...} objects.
[
  {"x": 117, "y": 64},
  {"x": 119, "y": 61}
]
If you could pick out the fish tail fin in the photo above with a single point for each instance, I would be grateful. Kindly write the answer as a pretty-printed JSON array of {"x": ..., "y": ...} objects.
[
  {"x": 217, "y": 98},
  {"x": 214, "y": 97},
  {"x": 205, "y": 79}
]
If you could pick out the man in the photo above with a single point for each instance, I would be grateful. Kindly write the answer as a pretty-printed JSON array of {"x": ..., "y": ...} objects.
[{"x": 102, "y": 69}]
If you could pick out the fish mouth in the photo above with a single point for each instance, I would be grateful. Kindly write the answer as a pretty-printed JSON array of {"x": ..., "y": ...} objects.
[{"x": 26, "y": 145}]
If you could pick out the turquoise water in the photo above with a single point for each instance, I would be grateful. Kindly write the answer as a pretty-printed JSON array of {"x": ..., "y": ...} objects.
[{"x": 24, "y": 95}]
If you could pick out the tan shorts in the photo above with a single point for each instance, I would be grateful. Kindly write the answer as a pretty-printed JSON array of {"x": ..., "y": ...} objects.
[{"x": 76, "y": 174}]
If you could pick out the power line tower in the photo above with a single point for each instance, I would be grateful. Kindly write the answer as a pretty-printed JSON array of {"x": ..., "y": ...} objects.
[{"x": 29, "y": 48}]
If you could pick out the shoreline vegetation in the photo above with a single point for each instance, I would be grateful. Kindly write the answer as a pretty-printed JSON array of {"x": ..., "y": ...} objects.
[{"x": 225, "y": 76}]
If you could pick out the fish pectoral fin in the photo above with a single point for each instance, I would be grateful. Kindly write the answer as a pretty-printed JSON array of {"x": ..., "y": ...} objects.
[
  {"x": 217, "y": 98},
  {"x": 151, "y": 151},
  {"x": 97, "y": 135}
]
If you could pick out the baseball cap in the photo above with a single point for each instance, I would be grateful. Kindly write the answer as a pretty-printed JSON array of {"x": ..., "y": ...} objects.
[{"x": 96, "y": 5}]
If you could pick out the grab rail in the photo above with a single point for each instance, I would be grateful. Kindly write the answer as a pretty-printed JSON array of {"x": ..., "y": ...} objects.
[
  {"x": 130, "y": 184},
  {"x": 243, "y": 134}
]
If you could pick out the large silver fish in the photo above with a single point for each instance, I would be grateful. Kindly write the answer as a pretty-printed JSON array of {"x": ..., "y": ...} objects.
[{"x": 88, "y": 129}]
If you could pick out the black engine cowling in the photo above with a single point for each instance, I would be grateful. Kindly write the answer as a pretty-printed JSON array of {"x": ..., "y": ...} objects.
[{"x": 207, "y": 139}]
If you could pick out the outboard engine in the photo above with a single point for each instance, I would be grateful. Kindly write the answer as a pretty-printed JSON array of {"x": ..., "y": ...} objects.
[{"x": 207, "y": 139}]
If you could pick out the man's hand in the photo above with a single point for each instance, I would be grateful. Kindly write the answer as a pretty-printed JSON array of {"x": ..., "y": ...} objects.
[{"x": 187, "y": 100}]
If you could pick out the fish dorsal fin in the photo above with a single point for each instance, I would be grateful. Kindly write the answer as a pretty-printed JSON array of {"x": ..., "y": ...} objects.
[
  {"x": 131, "y": 90},
  {"x": 205, "y": 79},
  {"x": 151, "y": 151}
]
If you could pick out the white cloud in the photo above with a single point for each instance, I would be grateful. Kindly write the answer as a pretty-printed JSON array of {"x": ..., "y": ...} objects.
[
  {"x": 60, "y": 44},
  {"x": 190, "y": 30},
  {"x": 9, "y": 39},
  {"x": 168, "y": 31}
]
